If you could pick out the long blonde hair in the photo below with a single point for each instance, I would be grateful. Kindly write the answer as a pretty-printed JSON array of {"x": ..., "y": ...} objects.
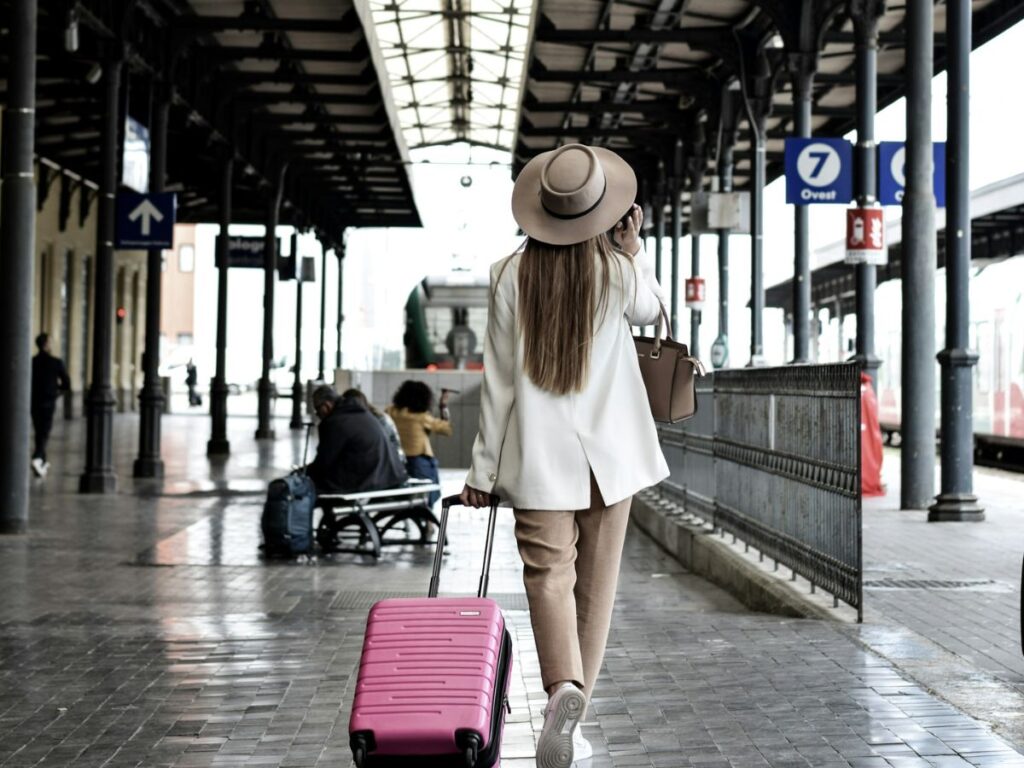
[{"x": 561, "y": 293}]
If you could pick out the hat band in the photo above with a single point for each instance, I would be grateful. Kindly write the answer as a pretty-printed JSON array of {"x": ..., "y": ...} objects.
[{"x": 581, "y": 214}]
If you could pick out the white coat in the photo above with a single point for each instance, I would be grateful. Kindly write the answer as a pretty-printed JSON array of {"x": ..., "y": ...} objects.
[{"x": 537, "y": 449}]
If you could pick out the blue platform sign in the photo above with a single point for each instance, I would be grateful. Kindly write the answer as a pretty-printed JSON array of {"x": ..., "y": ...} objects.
[
  {"x": 892, "y": 176},
  {"x": 819, "y": 171},
  {"x": 145, "y": 221}
]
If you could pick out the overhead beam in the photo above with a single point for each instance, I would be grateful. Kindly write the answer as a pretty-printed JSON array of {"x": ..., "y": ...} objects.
[
  {"x": 678, "y": 76},
  {"x": 278, "y": 53},
  {"x": 347, "y": 23},
  {"x": 696, "y": 36}
]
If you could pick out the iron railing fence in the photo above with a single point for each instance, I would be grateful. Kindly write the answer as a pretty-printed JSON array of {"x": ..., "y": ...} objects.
[{"x": 773, "y": 457}]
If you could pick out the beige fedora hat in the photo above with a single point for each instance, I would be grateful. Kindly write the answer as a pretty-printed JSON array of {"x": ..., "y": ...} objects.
[{"x": 572, "y": 194}]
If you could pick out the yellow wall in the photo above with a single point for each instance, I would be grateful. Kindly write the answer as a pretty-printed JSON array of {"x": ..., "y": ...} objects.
[{"x": 75, "y": 247}]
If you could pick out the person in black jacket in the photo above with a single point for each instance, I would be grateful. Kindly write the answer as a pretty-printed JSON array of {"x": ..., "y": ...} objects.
[
  {"x": 49, "y": 381},
  {"x": 354, "y": 453}
]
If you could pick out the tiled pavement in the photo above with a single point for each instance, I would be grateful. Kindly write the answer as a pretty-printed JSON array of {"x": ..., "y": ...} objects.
[
  {"x": 956, "y": 626},
  {"x": 142, "y": 629}
]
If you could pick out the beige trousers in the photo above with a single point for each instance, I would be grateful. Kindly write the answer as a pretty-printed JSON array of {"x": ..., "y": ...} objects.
[{"x": 571, "y": 571}]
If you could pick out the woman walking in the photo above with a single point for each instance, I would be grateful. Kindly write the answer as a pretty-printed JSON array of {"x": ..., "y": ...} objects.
[{"x": 566, "y": 433}]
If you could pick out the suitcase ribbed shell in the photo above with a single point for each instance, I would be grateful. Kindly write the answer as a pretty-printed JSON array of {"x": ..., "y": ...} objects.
[{"x": 429, "y": 668}]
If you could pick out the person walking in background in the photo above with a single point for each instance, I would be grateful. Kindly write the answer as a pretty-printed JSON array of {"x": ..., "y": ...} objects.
[
  {"x": 191, "y": 380},
  {"x": 49, "y": 381},
  {"x": 410, "y": 409},
  {"x": 566, "y": 433}
]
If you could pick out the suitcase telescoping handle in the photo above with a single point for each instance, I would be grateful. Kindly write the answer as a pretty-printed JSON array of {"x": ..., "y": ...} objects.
[{"x": 454, "y": 501}]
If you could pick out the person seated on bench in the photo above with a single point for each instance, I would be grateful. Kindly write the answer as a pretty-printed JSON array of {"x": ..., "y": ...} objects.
[
  {"x": 385, "y": 421},
  {"x": 410, "y": 408},
  {"x": 354, "y": 453}
]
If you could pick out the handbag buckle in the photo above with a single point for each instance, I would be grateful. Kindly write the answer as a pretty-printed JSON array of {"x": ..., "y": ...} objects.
[{"x": 655, "y": 353}]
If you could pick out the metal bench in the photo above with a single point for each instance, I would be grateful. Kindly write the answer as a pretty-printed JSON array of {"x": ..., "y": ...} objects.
[{"x": 361, "y": 522}]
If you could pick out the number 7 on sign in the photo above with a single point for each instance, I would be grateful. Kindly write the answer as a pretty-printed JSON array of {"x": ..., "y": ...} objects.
[{"x": 820, "y": 158}]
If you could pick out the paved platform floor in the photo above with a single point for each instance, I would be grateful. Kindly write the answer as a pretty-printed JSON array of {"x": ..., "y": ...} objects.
[
  {"x": 943, "y": 599},
  {"x": 142, "y": 629}
]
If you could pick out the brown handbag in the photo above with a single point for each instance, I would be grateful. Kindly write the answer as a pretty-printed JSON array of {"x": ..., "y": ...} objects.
[{"x": 668, "y": 372}]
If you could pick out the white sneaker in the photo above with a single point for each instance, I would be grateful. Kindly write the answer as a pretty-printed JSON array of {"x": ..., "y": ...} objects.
[
  {"x": 555, "y": 747},
  {"x": 581, "y": 748},
  {"x": 39, "y": 467},
  {"x": 46, "y": 468}
]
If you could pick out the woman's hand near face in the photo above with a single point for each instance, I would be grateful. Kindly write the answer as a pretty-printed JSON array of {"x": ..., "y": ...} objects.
[{"x": 628, "y": 236}]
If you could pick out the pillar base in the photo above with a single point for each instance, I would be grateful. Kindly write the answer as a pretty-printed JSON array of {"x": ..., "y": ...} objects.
[
  {"x": 148, "y": 467},
  {"x": 265, "y": 434},
  {"x": 956, "y": 507},
  {"x": 298, "y": 397},
  {"x": 757, "y": 361},
  {"x": 97, "y": 482},
  {"x": 13, "y": 527},
  {"x": 216, "y": 447}
]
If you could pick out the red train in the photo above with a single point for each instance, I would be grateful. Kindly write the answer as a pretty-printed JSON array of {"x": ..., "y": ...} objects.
[{"x": 997, "y": 335}]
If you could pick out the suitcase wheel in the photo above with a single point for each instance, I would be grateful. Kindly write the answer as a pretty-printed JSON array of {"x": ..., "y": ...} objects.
[
  {"x": 470, "y": 743},
  {"x": 359, "y": 755}
]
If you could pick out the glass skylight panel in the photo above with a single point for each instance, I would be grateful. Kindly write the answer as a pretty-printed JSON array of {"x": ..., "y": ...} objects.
[{"x": 454, "y": 67}]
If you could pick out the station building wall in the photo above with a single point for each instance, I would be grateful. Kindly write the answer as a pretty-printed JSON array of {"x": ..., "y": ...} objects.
[{"x": 63, "y": 298}]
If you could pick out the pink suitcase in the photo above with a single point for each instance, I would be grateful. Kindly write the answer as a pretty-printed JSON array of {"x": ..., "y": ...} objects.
[{"x": 434, "y": 675}]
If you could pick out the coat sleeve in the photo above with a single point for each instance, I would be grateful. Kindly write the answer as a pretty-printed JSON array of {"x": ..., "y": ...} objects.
[
  {"x": 498, "y": 393},
  {"x": 327, "y": 451},
  {"x": 644, "y": 296},
  {"x": 436, "y": 425}
]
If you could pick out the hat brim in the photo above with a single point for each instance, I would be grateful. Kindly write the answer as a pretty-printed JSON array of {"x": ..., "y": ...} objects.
[{"x": 540, "y": 225}]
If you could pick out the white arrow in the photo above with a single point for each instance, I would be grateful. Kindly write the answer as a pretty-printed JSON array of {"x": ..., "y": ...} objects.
[{"x": 147, "y": 211}]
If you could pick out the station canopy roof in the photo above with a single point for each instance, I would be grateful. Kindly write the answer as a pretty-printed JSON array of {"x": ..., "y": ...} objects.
[
  {"x": 455, "y": 67},
  {"x": 296, "y": 82},
  {"x": 997, "y": 233},
  {"x": 636, "y": 75}
]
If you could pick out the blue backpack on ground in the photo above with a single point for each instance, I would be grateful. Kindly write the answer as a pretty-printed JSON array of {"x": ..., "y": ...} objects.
[{"x": 288, "y": 514}]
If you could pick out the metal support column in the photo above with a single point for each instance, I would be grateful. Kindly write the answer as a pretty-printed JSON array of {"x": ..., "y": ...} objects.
[
  {"x": 151, "y": 398},
  {"x": 17, "y": 252},
  {"x": 757, "y": 240},
  {"x": 720, "y": 350},
  {"x": 677, "y": 236},
  {"x": 659, "y": 235},
  {"x": 803, "y": 68},
  {"x": 865, "y": 15},
  {"x": 219, "y": 444},
  {"x": 957, "y": 500},
  {"x": 917, "y": 447},
  {"x": 697, "y": 165},
  {"x": 297, "y": 388},
  {"x": 321, "y": 360},
  {"x": 695, "y": 314},
  {"x": 341, "y": 302},
  {"x": 264, "y": 428},
  {"x": 99, "y": 476}
]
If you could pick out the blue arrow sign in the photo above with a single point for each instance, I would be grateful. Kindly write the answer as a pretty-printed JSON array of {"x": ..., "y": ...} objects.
[
  {"x": 819, "y": 171},
  {"x": 892, "y": 176},
  {"x": 145, "y": 221}
]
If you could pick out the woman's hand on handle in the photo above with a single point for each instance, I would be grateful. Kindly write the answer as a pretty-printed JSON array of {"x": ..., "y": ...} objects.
[{"x": 471, "y": 497}]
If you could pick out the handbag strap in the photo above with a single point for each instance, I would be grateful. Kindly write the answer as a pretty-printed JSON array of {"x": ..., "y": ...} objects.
[{"x": 663, "y": 320}]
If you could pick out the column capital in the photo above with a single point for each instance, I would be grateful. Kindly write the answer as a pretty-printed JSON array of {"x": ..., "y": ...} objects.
[{"x": 865, "y": 15}]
